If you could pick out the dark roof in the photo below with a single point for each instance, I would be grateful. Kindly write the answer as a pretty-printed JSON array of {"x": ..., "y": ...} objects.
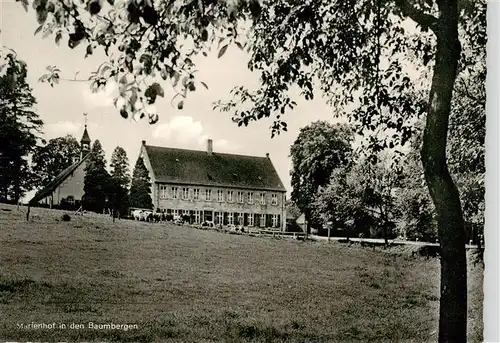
[
  {"x": 85, "y": 136},
  {"x": 47, "y": 190},
  {"x": 216, "y": 169}
]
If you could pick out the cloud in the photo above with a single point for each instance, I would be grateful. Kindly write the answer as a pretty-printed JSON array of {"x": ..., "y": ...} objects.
[
  {"x": 180, "y": 131},
  {"x": 62, "y": 128},
  {"x": 185, "y": 132},
  {"x": 103, "y": 98}
]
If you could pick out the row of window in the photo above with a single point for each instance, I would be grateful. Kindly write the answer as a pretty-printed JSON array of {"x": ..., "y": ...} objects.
[
  {"x": 229, "y": 218},
  {"x": 186, "y": 193}
]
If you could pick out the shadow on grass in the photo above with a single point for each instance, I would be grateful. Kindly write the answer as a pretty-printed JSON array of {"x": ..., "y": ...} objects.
[{"x": 11, "y": 288}]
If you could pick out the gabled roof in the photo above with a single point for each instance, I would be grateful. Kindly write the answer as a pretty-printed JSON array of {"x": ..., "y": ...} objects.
[
  {"x": 201, "y": 168},
  {"x": 51, "y": 186}
]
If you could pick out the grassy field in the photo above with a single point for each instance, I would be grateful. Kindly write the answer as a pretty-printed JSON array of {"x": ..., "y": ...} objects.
[{"x": 180, "y": 284}]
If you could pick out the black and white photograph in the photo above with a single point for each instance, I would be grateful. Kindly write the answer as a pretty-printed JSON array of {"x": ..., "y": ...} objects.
[{"x": 256, "y": 171}]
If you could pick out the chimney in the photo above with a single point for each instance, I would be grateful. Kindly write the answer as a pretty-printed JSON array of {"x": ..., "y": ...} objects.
[
  {"x": 143, "y": 142},
  {"x": 210, "y": 148},
  {"x": 267, "y": 154}
]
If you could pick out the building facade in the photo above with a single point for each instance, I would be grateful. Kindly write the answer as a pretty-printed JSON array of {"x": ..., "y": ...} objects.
[
  {"x": 222, "y": 188},
  {"x": 66, "y": 190}
]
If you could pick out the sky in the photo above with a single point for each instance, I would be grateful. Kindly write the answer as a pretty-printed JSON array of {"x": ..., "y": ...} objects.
[{"x": 62, "y": 107}]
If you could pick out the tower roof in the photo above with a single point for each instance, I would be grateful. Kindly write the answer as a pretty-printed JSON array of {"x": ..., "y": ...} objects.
[{"x": 85, "y": 137}]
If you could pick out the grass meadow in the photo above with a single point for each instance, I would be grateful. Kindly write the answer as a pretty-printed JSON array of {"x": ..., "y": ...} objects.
[{"x": 181, "y": 284}]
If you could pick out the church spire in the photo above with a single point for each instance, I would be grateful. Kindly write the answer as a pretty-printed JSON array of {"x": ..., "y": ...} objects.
[{"x": 85, "y": 141}]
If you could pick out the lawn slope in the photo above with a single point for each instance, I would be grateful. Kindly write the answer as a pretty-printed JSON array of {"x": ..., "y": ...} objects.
[{"x": 180, "y": 284}]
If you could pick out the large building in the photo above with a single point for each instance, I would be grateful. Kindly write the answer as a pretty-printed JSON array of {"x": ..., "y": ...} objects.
[
  {"x": 218, "y": 187},
  {"x": 66, "y": 189}
]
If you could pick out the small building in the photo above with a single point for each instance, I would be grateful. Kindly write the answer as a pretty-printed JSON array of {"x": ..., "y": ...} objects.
[
  {"x": 301, "y": 221},
  {"x": 292, "y": 214},
  {"x": 66, "y": 189},
  {"x": 221, "y": 188}
]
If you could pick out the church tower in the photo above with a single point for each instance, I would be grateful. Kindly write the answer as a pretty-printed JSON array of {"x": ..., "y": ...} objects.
[{"x": 85, "y": 141}]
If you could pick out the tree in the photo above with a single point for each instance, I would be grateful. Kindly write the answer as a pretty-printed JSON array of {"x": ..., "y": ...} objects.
[
  {"x": 466, "y": 142},
  {"x": 97, "y": 180},
  {"x": 20, "y": 127},
  {"x": 319, "y": 149},
  {"x": 120, "y": 180},
  {"x": 119, "y": 167},
  {"x": 413, "y": 200},
  {"x": 354, "y": 50},
  {"x": 140, "y": 190},
  {"x": 55, "y": 156},
  {"x": 381, "y": 182},
  {"x": 341, "y": 202},
  {"x": 363, "y": 191}
]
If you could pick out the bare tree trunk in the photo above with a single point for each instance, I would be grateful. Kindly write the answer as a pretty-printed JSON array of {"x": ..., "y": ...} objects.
[{"x": 444, "y": 193}]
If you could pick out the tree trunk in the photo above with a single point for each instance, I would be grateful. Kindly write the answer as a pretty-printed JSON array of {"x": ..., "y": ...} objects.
[
  {"x": 444, "y": 193},
  {"x": 17, "y": 187}
]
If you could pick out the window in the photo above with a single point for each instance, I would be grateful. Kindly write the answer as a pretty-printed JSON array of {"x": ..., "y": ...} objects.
[
  {"x": 250, "y": 219},
  {"x": 220, "y": 195},
  {"x": 220, "y": 217},
  {"x": 240, "y": 197},
  {"x": 240, "y": 218},
  {"x": 196, "y": 194},
  {"x": 275, "y": 220},
  {"x": 197, "y": 217},
  {"x": 230, "y": 196},
  {"x": 174, "y": 192},
  {"x": 163, "y": 192},
  {"x": 175, "y": 213},
  {"x": 185, "y": 212},
  {"x": 70, "y": 200},
  {"x": 208, "y": 195},
  {"x": 185, "y": 193},
  {"x": 230, "y": 217},
  {"x": 274, "y": 199},
  {"x": 262, "y": 220},
  {"x": 262, "y": 198},
  {"x": 250, "y": 197}
]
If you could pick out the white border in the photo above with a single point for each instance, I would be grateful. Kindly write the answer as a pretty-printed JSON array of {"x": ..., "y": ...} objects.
[{"x": 491, "y": 305}]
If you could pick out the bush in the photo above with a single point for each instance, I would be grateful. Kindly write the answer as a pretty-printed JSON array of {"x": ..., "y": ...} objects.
[
  {"x": 169, "y": 217},
  {"x": 65, "y": 217}
]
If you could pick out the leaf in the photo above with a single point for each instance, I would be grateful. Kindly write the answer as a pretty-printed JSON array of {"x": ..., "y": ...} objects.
[
  {"x": 46, "y": 33},
  {"x": 43, "y": 78},
  {"x": 222, "y": 51},
  {"x": 238, "y": 44},
  {"x": 204, "y": 84},
  {"x": 180, "y": 105},
  {"x": 159, "y": 89},
  {"x": 89, "y": 51},
  {"x": 41, "y": 15},
  {"x": 123, "y": 112},
  {"x": 58, "y": 37},
  {"x": 38, "y": 30},
  {"x": 133, "y": 97}
]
